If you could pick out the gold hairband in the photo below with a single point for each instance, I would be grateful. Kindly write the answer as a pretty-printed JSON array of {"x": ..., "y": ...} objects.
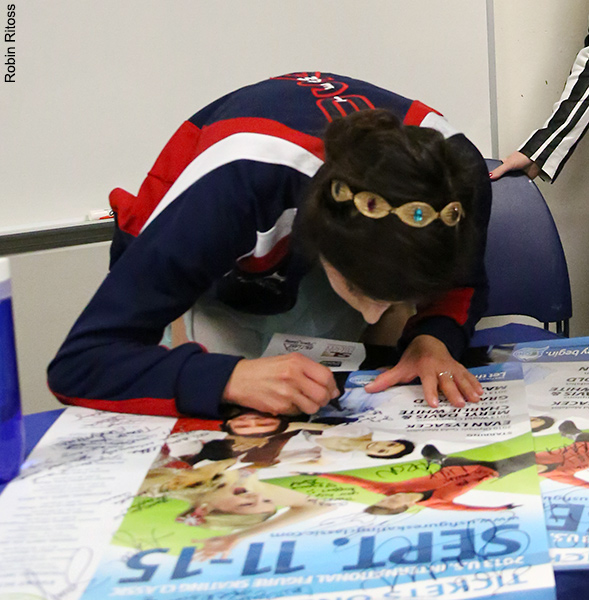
[{"x": 414, "y": 214}]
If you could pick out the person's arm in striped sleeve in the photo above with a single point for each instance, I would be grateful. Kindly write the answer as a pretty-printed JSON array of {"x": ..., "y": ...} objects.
[{"x": 547, "y": 149}]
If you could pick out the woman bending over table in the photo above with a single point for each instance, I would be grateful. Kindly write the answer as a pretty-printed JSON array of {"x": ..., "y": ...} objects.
[{"x": 312, "y": 204}]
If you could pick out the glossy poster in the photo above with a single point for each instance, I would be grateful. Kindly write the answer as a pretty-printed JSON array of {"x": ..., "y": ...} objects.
[
  {"x": 377, "y": 497},
  {"x": 557, "y": 385}
]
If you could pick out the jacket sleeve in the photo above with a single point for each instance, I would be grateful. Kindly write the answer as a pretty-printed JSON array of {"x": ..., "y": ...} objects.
[
  {"x": 452, "y": 316},
  {"x": 111, "y": 359},
  {"x": 551, "y": 146}
]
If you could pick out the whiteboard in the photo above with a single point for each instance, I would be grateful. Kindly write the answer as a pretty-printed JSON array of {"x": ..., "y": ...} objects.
[{"x": 101, "y": 85}]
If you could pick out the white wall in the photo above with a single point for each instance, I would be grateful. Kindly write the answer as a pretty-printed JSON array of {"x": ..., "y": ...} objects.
[
  {"x": 50, "y": 289},
  {"x": 536, "y": 43},
  {"x": 101, "y": 85}
]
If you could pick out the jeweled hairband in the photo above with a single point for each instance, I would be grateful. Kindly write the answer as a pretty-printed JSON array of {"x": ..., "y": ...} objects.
[{"x": 414, "y": 214}]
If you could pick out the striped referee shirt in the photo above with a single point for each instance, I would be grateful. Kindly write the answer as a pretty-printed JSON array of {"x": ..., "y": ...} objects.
[{"x": 551, "y": 146}]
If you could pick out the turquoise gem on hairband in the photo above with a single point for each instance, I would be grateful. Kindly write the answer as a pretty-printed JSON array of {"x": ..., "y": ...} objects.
[{"x": 418, "y": 215}]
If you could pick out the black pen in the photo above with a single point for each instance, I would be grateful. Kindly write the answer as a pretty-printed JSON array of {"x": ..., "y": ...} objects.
[{"x": 336, "y": 404}]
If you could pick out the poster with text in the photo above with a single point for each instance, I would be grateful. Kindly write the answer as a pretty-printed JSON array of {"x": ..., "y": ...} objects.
[
  {"x": 377, "y": 496},
  {"x": 557, "y": 384}
]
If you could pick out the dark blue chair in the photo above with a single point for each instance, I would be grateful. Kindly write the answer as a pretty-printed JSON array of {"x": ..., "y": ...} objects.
[{"x": 526, "y": 265}]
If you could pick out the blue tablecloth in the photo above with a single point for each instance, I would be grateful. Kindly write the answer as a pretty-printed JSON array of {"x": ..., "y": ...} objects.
[
  {"x": 35, "y": 427},
  {"x": 569, "y": 584}
]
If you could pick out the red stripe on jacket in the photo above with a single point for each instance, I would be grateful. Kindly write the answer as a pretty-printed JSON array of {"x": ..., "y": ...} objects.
[
  {"x": 163, "y": 407},
  {"x": 133, "y": 211},
  {"x": 183, "y": 147},
  {"x": 454, "y": 304},
  {"x": 211, "y": 134},
  {"x": 259, "y": 264},
  {"x": 189, "y": 424},
  {"x": 417, "y": 113}
]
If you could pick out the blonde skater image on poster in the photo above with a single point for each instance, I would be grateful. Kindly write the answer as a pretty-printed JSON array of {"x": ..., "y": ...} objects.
[{"x": 223, "y": 503}]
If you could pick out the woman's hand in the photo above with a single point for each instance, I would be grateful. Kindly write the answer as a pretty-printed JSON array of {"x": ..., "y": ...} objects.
[
  {"x": 516, "y": 161},
  {"x": 217, "y": 545},
  {"x": 287, "y": 384},
  {"x": 428, "y": 358}
]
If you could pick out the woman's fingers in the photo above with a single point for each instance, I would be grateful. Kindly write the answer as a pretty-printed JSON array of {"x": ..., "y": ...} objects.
[
  {"x": 292, "y": 383},
  {"x": 319, "y": 383},
  {"x": 285, "y": 384},
  {"x": 469, "y": 386},
  {"x": 388, "y": 379},
  {"x": 429, "y": 383},
  {"x": 514, "y": 162},
  {"x": 428, "y": 359},
  {"x": 458, "y": 386},
  {"x": 447, "y": 385}
]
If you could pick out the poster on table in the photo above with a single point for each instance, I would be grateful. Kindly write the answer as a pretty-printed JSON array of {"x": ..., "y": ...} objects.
[
  {"x": 377, "y": 496},
  {"x": 557, "y": 384},
  {"x": 72, "y": 492}
]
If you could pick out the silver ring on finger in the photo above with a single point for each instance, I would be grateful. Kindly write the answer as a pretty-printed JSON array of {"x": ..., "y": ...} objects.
[{"x": 445, "y": 373}]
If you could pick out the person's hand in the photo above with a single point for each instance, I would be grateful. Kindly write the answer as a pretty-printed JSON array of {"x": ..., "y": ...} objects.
[
  {"x": 428, "y": 358},
  {"x": 516, "y": 161},
  {"x": 217, "y": 545},
  {"x": 287, "y": 384}
]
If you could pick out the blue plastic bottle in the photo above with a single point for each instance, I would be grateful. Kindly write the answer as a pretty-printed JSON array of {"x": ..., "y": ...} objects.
[{"x": 11, "y": 425}]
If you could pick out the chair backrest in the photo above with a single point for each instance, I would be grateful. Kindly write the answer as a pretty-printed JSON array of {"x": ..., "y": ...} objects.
[{"x": 525, "y": 261}]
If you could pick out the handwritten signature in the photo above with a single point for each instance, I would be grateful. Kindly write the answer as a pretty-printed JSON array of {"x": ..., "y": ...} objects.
[{"x": 73, "y": 579}]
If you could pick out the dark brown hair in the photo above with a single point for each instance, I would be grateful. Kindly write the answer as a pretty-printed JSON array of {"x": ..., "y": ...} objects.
[
  {"x": 385, "y": 258},
  {"x": 546, "y": 423},
  {"x": 408, "y": 448},
  {"x": 231, "y": 411}
]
